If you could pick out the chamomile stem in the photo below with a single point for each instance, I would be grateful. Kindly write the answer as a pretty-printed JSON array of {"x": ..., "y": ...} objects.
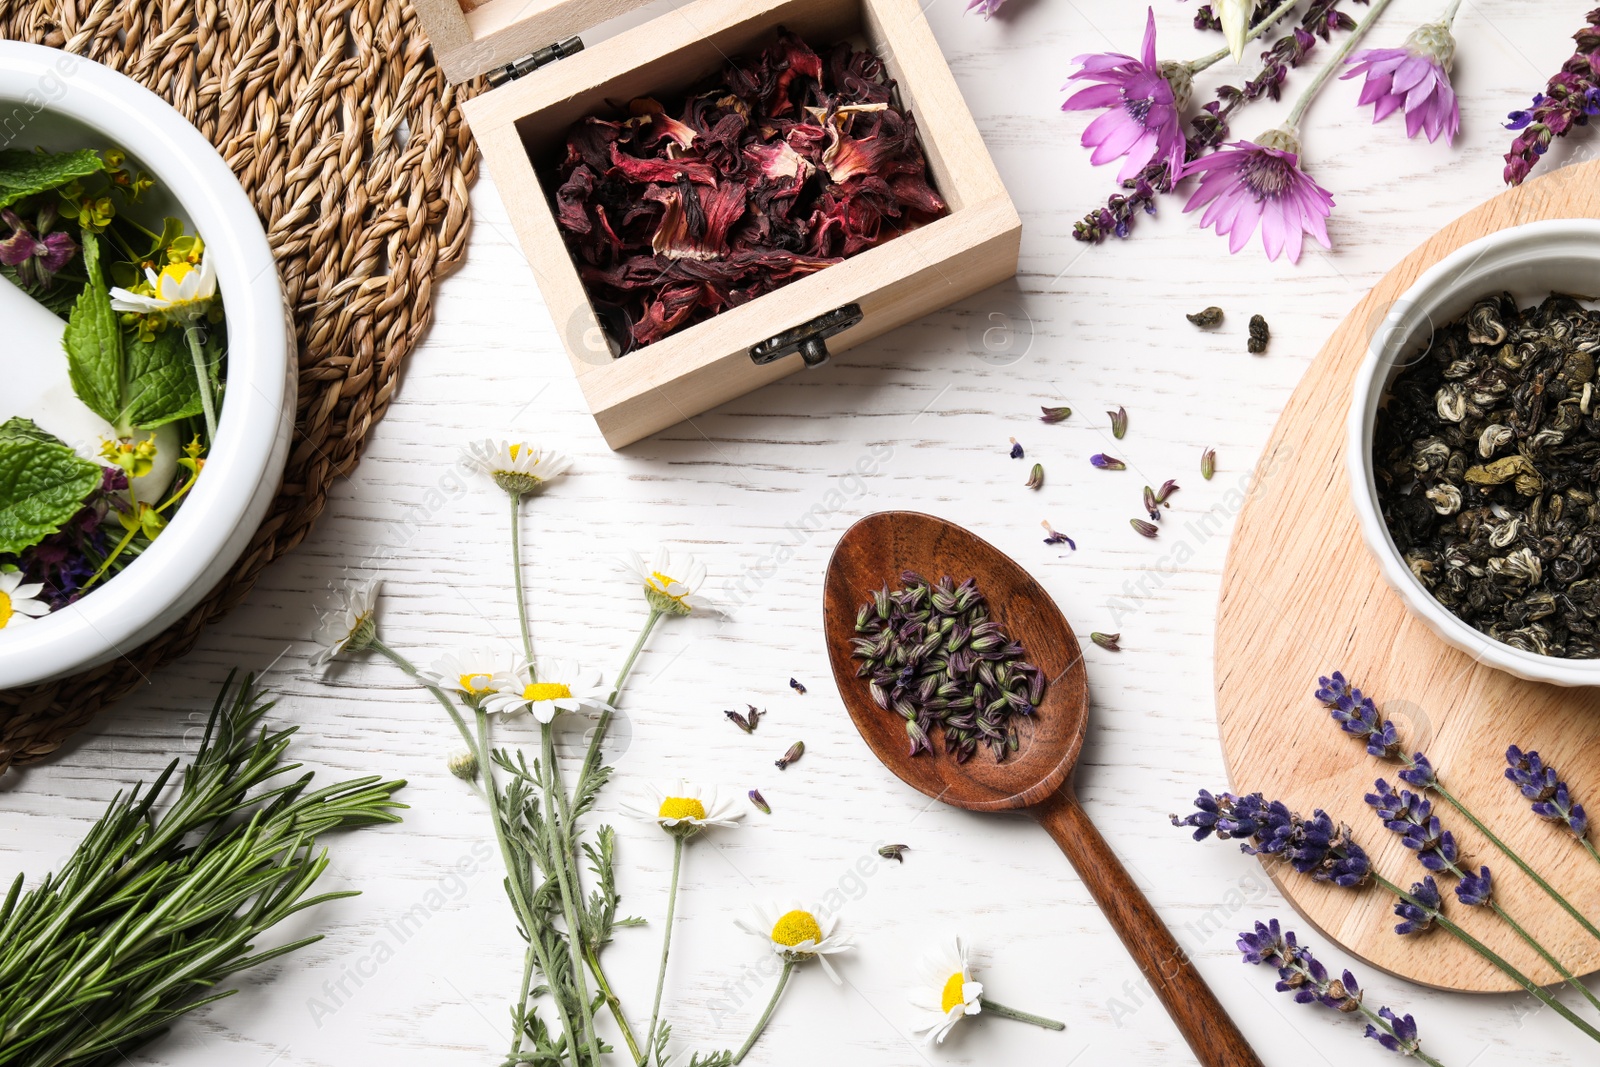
[
  {"x": 522, "y": 1000},
  {"x": 992, "y": 1008},
  {"x": 566, "y": 838},
  {"x": 208, "y": 404},
  {"x": 1544, "y": 954},
  {"x": 516, "y": 577},
  {"x": 666, "y": 941},
  {"x": 406, "y": 665},
  {"x": 591, "y": 758},
  {"x": 1334, "y": 64},
  {"x": 1493, "y": 957},
  {"x": 1380, "y": 1023},
  {"x": 761, "y": 1023},
  {"x": 1494, "y": 840},
  {"x": 1251, "y": 34}
]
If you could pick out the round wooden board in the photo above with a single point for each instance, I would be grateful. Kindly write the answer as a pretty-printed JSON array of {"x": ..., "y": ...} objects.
[{"x": 1301, "y": 597}]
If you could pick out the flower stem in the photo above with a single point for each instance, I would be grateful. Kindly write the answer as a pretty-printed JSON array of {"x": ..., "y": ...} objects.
[
  {"x": 516, "y": 577},
  {"x": 1588, "y": 847},
  {"x": 1449, "y": 18},
  {"x": 1336, "y": 63},
  {"x": 761, "y": 1023},
  {"x": 522, "y": 1001},
  {"x": 565, "y": 837},
  {"x": 449, "y": 705},
  {"x": 208, "y": 404},
  {"x": 1544, "y": 954},
  {"x": 1411, "y": 1048},
  {"x": 613, "y": 1002},
  {"x": 591, "y": 758},
  {"x": 666, "y": 941},
  {"x": 1489, "y": 954},
  {"x": 992, "y": 1008},
  {"x": 1522, "y": 864},
  {"x": 1196, "y": 66}
]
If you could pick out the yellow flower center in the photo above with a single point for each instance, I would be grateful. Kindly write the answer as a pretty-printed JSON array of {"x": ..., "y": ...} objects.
[
  {"x": 5, "y": 609},
  {"x": 796, "y": 928},
  {"x": 474, "y": 685},
  {"x": 664, "y": 582},
  {"x": 546, "y": 691},
  {"x": 682, "y": 808},
  {"x": 514, "y": 450},
  {"x": 952, "y": 992}
]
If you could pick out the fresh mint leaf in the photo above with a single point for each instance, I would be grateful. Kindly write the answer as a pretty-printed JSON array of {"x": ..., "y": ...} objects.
[
  {"x": 161, "y": 380},
  {"x": 58, "y": 297},
  {"x": 43, "y": 483},
  {"x": 94, "y": 342},
  {"x": 23, "y": 173}
]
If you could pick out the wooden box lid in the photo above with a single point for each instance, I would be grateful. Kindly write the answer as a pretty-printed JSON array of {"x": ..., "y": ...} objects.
[{"x": 496, "y": 37}]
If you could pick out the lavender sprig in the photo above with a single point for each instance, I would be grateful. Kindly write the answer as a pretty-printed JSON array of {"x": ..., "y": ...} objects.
[
  {"x": 1302, "y": 974},
  {"x": 1317, "y": 846},
  {"x": 1357, "y": 714},
  {"x": 1551, "y": 798},
  {"x": 1419, "y": 910}
]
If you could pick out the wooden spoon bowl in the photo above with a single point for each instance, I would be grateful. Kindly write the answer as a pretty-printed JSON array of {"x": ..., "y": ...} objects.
[{"x": 875, "y": 552}]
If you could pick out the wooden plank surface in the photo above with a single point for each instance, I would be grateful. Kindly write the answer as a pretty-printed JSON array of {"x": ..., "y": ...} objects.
[{"x": 1302, "y": 597}]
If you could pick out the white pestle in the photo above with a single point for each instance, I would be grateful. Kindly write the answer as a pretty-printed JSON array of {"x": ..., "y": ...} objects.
[{"x": 33, "y": 369}]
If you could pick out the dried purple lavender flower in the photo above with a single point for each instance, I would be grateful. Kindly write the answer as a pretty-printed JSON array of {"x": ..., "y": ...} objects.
[
  {"x": 754, "y": 716},
  {"x": 738, "y": 720},
  {"x": 1056, "y": 537},
  {"x": 894, "y": 852},
  {"x": 1109, "y": 642},
  {"x": 760, "y": 802},
  {"x": 1208, "y": 463},
  {"x": 1164, "y": 494},
  {"x": 1119, "y": 422},
  {"x": 1317, "y": 846},
  {"x": 1421, "y": 910},
  {"x": 1401, "y": 1035},
  {"x": 1035, "y": 476},
  {"x": 1016, "y": 449},
  {"x": 1052, "y": 415},
  {"x": 1144, "y": 529},
  {"x": 1476, "y": 890},
  {"x": 1542, "y": 785},
  {"x": 1107, "y": 463},
  {"x": 1411, "y": 816},
  {"x": 1356, "y": 714},
  {"x": 797, "y": 687},
  {"x": 796, "y": 750},
  {"x": 1152, "y": 506}
]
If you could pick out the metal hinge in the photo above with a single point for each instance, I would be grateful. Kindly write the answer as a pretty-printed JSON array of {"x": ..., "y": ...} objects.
[
  {"x": 809, "y": 339},
  {"x": 534, "y": 60}
]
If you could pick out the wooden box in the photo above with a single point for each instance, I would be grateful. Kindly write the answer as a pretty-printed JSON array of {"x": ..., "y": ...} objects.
[{"x": 711, "y": 362}]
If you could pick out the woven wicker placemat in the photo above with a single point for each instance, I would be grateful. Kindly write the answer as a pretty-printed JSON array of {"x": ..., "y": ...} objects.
[{"x": 347, "y": 138}]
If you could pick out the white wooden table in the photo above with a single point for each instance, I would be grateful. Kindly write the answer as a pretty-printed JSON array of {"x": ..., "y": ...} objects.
[{"x": 761, "y": 489}]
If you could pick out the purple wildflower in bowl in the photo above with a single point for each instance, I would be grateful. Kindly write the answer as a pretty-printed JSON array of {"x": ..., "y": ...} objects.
[
  {"x": 1476, "y": 890},
  {"x": 1421, "y": 910},
  {"x": 1542, "y": 785},
  {"x": 1251, "y": 183},
  {"x": 1411, "y": 816},
  {"x": 1144, "y": 101},
  {"x": 1414, "y": 79},
  {"x": 34, "y": 252}
]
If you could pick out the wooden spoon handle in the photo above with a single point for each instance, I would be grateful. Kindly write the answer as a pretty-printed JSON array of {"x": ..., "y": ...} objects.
[{"x": 1216, "y": 1041}]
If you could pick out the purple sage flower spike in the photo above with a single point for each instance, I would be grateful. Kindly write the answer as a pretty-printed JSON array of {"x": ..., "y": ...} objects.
[{"x": 1542, "y": 785}]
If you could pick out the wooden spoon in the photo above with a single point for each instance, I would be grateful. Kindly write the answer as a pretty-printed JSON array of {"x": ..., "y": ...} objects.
[{"x": 874, "y": 553}]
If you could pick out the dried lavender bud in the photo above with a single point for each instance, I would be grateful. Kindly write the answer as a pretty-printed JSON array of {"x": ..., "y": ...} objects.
[
  {"x": 1119, "y": 422},
  {"x": 1542, "y": 785},
  {"x": 1316, "y": 846},
  {"x": 1476, "y": 890},
  {"x": 1356, "y": 714},
  {"x": 1107, "y": 463},
  {"x": 894, "y": 852},
  {"x": 1056, "y": 537},
  {"x": 796, "y": 750},
  {"x": 1151, "y": 504},
  {"x": 1259, "y": 335},
  {"x": 1035, "y": 476},
  {"x": 1421, "y": 909},
  {"x": 1109, "y": 642},
  {"x": 754, "y": 717},
  {"x": 738, "y": 720},
  {"x": 1411, "y": 816},
  {"x": 1055, "y": 414},
  {"x": 1016, "y": 449},
  {"x": 760, "y": 802},
  {"x": 1208, "y": 463},
  {"x": 1164, "y": 494},
  {"x": 1207, "y": 319},
  {"x": 1144, "y": 529},
  {"x": 797, "y": 687}
]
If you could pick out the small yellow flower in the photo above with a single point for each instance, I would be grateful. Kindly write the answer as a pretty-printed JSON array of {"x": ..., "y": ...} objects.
[
  {"x": 684, "y": 811},
  {"x": 671, "y": 585},
  {"x": 945, "y": 992},
  {"x": 798, "y": 934}
]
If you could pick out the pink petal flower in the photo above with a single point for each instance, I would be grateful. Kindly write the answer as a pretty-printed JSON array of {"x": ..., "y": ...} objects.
[
  {"x": 1415, "y": 80},
  {"x": 1245, "y": 184},
  {"x": 1143, "y": 121}
]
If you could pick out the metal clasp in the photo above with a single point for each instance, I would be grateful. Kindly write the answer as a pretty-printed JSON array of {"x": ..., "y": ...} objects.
[
  {"x": 809, "y": 339},
  {"x": 534, "y": 60}
]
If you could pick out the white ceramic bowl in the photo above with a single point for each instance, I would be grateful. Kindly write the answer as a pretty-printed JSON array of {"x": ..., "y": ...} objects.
[
  {"x": 1530, "y": 262},
  {"x": 61, "y": 101}
]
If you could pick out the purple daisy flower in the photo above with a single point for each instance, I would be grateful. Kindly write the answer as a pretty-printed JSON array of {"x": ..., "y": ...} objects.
[
  {"x": 1143, "y": 120},
  {"x": 1247, "y": 183},
  {"x": 1415, "y": 79}
]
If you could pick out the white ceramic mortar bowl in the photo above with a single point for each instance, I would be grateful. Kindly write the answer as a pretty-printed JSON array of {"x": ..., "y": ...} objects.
[
  {"x": 60, "y": 101},
  {"x": 1530, "y": 262}
]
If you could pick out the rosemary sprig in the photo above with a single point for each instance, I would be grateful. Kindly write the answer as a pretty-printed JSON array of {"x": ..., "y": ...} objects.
[{"x": 156, "y": 907}]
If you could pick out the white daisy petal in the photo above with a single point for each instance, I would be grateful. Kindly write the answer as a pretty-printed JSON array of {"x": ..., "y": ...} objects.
[
  {"x": 671, "y": 584},
  {"x": 19, "y": 603},
  {"x": 945, "y": 992},
  {"x": 515, "y": 466},
  {"x": 561, "y": 685},
  {"x": 349, "y": 624},
  {"x": 685, "y": 809}
]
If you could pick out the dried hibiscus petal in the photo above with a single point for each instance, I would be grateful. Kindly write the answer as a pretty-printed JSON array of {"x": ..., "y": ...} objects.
[{"x": 781, "y": 164}]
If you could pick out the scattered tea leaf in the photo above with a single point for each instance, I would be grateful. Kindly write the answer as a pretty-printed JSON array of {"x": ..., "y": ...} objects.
[
  {"x": 1210, "y": 317},
  {"x": 1259, "y": 335}
]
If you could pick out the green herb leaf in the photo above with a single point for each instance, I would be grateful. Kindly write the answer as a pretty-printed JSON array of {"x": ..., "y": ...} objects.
[
  {"x": 22, "y": 173},
  {"x": 161, "y": 382},
  {"x": 58, "y": 298},
  {"x": 43, "y": 483},
  {"x": 94, "y": 342}
]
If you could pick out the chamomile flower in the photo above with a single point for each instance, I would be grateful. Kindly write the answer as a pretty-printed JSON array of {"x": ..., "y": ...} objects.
[
  {"x": 671, "y": 584},
  {"x": 561, "y": 685},
  {"x": 469, "y": 672},
  {"x": 685, "y": 811},
  {"x": 518, "y": 468},
  {"x": 797, "y": 935},
  {"x": 19, "y": 603},
  {"x": 182, "y": 292},
  {"x": 350, "y": 624},
  {"x": 945, "y": 993}
]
